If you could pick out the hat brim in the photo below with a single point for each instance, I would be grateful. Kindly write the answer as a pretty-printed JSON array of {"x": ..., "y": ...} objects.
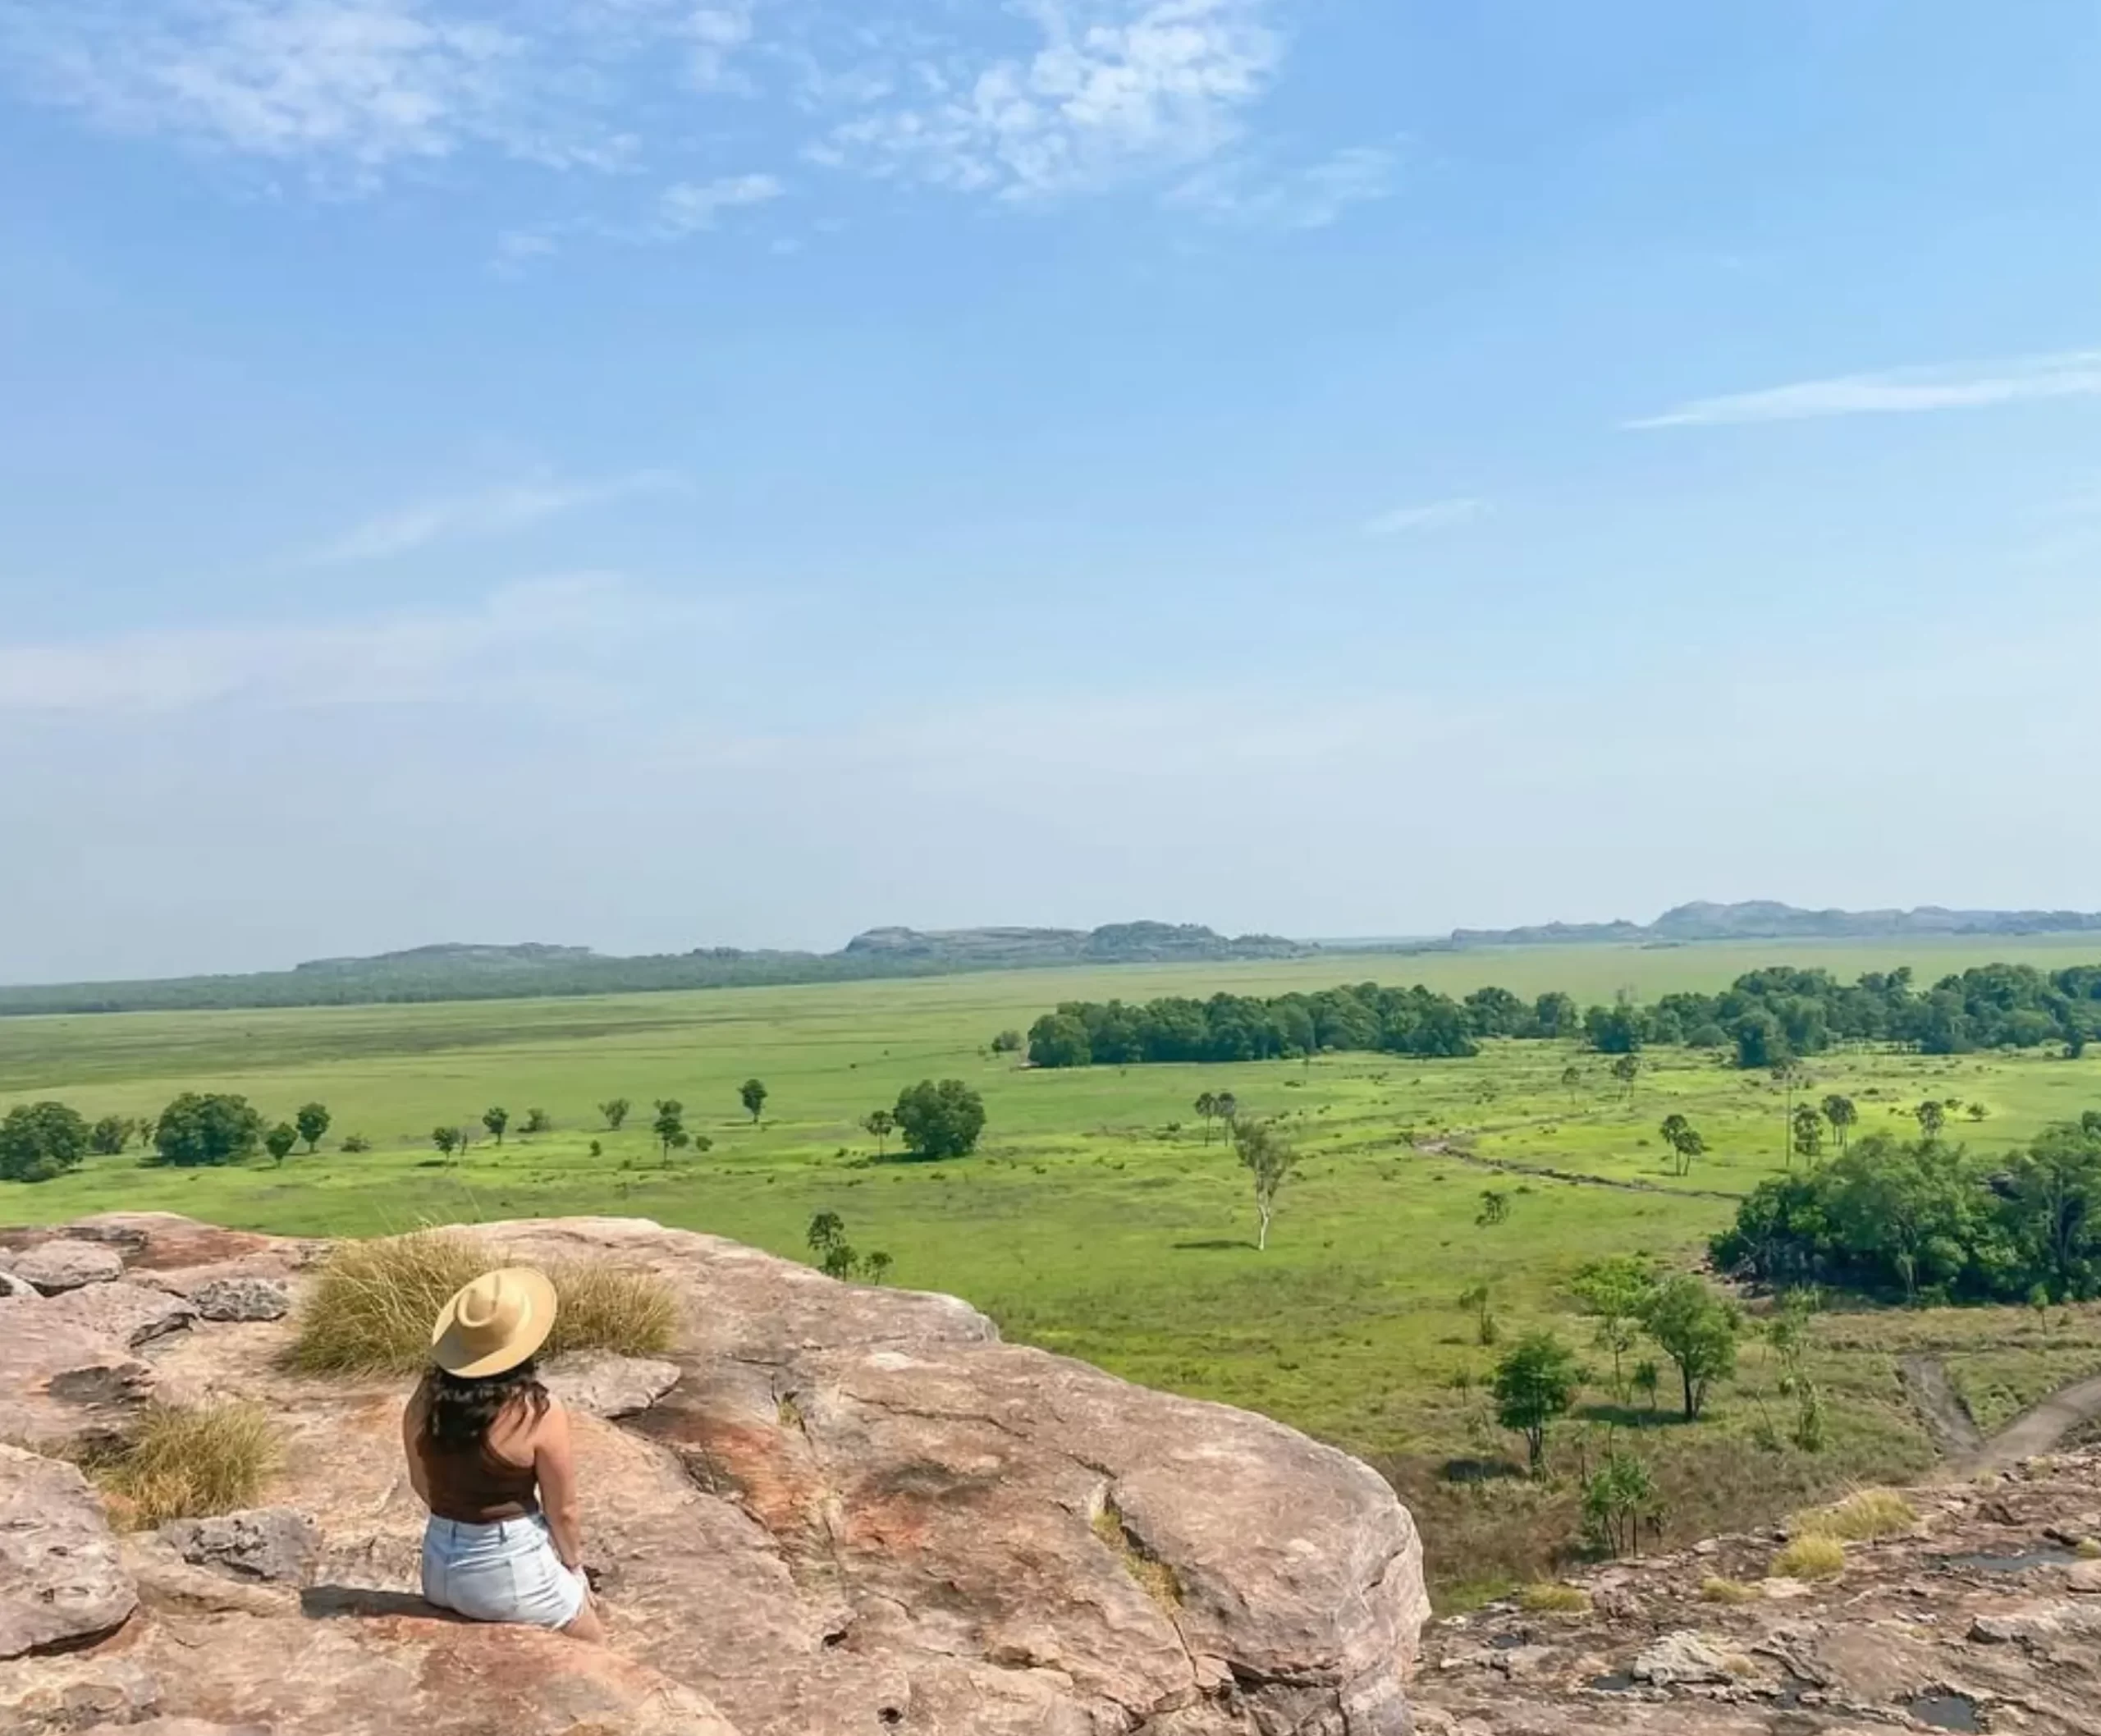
[{"x": 449, "y": 1348}]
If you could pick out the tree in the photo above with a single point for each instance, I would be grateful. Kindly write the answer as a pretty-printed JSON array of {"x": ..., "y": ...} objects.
[
  {"x": 311, "y": 1122},
  {"x": 941, "y": 1120},
  {"x": 1626, "y": 1069},
  {"x": 1494, "y": 1208},
  {"x": 1932, "y": 1117},
  {"x": 1226, "y": 1107},
  {"x": 837, "y": 1257},
  {"x": 1007, "y": 1042},
  {"x": 1572, "y": 1082},
  {"x": 40, "y": 1141},
  {"x": 1685, "y": 1140},
  {"x": 279, "y": 1140},
  {"x": 1269, "y": 1159},
  {"x": 447, "y": 1140},
  {"x": 1555, "y": 1014},
  {"x": 879, "y": 1125},
  {"x": 1614, "y": 1292},
  {"x": 1697, "y": 1330},
  {"x": 354, "y": 1143},
  {"x": 752, "y": 1094},
  {"x": 1207, "y": 1107},
  {"x": 111, "y": 1134},
  {"x": 1808, "y": 1131},
  {"x": 614, "y": 1111},
  {"x": 538, "y": 1121},
  {"x": 1842, "y": 1114},
  {"x": 1479, "y": 1300},
  {"x": 670, "y": 1126},
  {"x": 496, "y": 1120},
  {"x": 1620, "y": 1497},
  {"x": 1645, "y": 1382},
  {"x": 1535, "y": 1384},
  {"x": 208, "y": 1129}
]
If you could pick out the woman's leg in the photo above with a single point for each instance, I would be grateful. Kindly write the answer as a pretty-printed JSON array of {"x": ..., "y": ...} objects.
[{"x": 587, "y": 1626}]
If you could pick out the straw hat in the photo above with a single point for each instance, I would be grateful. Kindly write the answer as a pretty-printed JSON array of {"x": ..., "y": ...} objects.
[{"x": 494, "y": 1324}]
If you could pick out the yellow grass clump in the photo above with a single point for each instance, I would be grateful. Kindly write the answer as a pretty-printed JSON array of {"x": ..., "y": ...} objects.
[
  {"x": 1727, "y": 1590},
  {"x": 1861, "y": 1517},
  {"x": 1548, "y": 1598},
  {"x": 372, "y": 1308},
  {"x": 188, "y": 1464},
  {"x": 1815, "y": 1555}
]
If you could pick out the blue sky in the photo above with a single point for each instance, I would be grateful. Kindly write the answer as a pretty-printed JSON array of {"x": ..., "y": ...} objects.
[{"x": 650, "y": 474}]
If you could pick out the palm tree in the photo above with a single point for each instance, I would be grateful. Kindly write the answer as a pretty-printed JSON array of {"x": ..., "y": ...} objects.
[
  {"x": 1207, "y": 1106},
  {"x": 1840, "y": 1112}
]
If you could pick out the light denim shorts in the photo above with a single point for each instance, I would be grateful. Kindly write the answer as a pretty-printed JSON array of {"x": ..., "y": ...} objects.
[{"x": 506, "y": 1571}]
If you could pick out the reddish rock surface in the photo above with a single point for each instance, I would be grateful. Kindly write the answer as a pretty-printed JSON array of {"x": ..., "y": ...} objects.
[{"x": 850, "y": 1510}]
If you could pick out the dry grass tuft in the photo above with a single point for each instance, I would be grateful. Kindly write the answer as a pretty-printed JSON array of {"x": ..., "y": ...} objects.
[
  {"x": 1860, "y": 1517},
  {"x": 1545, "y": 1598},
  {"x": 2088, "y": 1550},
  {"x": 1154, "y": 1575},
  {"x": 184, "y": 1463},
  {"x": 1727, "y": 1590},
  {"x": 1813, "y": 1555},
  {"x": 372, "y": 1308}
]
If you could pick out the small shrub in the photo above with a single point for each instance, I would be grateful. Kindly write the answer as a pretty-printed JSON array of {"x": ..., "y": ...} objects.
[
  {"x": 1546, "y": 1597},
  {"x": 354, "y": 1142},
  {"x": 1860, "y": 1517},
  {"x": 184, "y": 1463},
  {"x": 2088, "y": 1549},
  {"x": 1813, "y": 1555},
  {"x": 1727, "y": 1590},
  {"x": 372, "y": 1305}
]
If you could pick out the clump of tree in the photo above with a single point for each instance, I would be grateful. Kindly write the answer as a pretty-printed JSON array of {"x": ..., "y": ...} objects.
[
  {"x": 940, "y": 1121},
  {"x": 1926, "y": 1220},
  {"x": 837, "y": 1257},
  {"x": 538, "y": 1121},
  {"x": 1685, "y": 1143},
  {"x": 496, "y": 1119},
  {"x": 752, "y": 1095},
  {"x": 41, "y": 1141},
  {"x": 1243, "y": 1028},
  {"x": 614, "y": 1111},
  {"x": 1268, "y": 1159},
  {"x": 110, "y": 1135},
  {"x": 198, "y": 1129},
  {"x": 669, "y": 1127},
  {"x": 279, "y": 1140},
  {"x": 1008, "y": 1042},
  {"x": 879, "y": 1125}
]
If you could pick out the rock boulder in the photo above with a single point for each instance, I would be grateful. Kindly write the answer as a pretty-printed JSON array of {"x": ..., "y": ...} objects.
[
  {"x": 66, "y": 1265},
  {"x": 61, "y": 1581},
  {"x": 829, "y": 1510}
]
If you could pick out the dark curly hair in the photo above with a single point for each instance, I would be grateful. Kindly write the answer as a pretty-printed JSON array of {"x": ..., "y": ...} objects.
[{"x": 461, "y": 1411}]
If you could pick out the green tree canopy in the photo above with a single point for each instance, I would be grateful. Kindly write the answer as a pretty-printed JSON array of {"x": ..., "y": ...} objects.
[
  {"x": 279, "y": 1140},
  {"x": 40, "y": 1141},
  {"x": 312, "y": 1122},
  {"x": 1697, "y": 1330},
  {"x": 210, "y": 1128},
  {"x": 940, "y": 1121},
  {"x": 1535, "y": 1384},
  {"x": 752, "y": 1094},
  {"x": 1268, "y": 1159}
]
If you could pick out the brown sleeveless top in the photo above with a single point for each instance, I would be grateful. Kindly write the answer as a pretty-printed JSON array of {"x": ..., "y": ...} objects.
[{"x": 476, "y": 1486}]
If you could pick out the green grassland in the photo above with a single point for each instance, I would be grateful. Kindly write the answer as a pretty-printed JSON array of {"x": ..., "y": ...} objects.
[{"x": 1098, "y": 1220}]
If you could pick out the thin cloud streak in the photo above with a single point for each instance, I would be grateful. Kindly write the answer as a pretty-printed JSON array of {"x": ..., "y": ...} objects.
[
  {"x": 495, "y": 512},
  {"x": 1431, "y": 516},
  {"x": 533, "y": 642},
  {"x": 2074, "y": 373}
]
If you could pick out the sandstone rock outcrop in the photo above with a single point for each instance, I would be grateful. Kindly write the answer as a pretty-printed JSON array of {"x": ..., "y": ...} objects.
[
  {"x": 831, "y": 1510},
  {"x": 1971, "y": 1621},
  {"x": 60, "y": 1580}
]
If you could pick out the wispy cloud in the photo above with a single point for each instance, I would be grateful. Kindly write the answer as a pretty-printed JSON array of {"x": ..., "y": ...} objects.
[
  {"x": 1311, "y": 198},
  {"x": 1107, "y": 89},
  {"x": 1430, "y": 516},
  {"x": 2074, "y": 373},
  {"x": 493, "y": 512},
  {"x": 690, "y": 208},
  {"x": 534, "y": 640}
]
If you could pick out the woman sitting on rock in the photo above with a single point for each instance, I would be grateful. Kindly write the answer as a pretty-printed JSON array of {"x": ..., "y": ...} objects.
[{"x": 489, "y": 1452}]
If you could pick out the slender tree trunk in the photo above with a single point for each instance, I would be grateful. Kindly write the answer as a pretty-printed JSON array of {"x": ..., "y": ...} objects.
[
  {"x": 1692, "y": 1406},
  {"x": 1262, "y": 1236}
]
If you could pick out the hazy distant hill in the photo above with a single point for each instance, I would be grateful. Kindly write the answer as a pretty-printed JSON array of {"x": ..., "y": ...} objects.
[
  {"x": 1761, "y": 919},
  {"x": 461, "y": 972}
]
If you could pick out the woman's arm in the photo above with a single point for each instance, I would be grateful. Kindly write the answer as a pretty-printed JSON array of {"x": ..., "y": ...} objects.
[
  {"x": 412, "y": 1429},
  {"x": 554, "y": 1463}
]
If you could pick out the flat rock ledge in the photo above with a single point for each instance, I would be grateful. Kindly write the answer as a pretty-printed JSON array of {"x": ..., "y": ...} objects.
[{"x": 829, "y": 1510}]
